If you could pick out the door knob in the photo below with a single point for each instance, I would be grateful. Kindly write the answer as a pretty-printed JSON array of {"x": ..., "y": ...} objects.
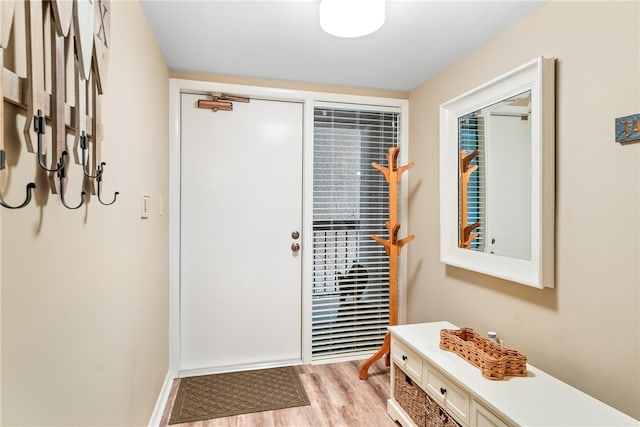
[
  {"x": 295, "y": 247},
  {"x": 295, "y": 234}
]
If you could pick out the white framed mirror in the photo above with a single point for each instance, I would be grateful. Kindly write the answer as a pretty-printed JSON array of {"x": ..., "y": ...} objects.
[{"x": 497, "y": 176}]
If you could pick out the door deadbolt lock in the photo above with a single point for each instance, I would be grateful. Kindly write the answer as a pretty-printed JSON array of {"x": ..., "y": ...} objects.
[
  {"x": 295, "y": 247},
  {"x": 295, "y": 234}
]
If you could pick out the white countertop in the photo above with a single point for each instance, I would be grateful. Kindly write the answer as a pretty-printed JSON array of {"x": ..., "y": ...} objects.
[{"x": 538, "y": 399}]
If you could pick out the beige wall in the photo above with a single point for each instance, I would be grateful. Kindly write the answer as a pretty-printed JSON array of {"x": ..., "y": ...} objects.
[
  {"x": 586, "y": 331},
  {"x": 85, "y": 292}
]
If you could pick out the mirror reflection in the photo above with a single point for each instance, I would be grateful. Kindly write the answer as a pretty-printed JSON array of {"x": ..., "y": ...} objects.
[{"x": 494, "y": 198}]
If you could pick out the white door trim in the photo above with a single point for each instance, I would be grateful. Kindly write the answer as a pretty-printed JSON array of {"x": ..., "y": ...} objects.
[{"x": 309, "y": 100}]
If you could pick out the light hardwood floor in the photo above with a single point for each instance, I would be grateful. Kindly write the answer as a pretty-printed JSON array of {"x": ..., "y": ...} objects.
[{"x": 338, "y": 398}]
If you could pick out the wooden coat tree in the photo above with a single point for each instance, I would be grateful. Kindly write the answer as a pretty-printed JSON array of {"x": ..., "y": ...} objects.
[
  {"x": 465, "y": 170},
  {"x": 393, "y": 246}
]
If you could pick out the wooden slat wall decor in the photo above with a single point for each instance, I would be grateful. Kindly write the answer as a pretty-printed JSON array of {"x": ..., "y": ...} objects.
[
  {"x": 84, "y": 25},
  {"x": 6, "y": 18},
  {"x": 63, "y": 12},
  {"x": 35, "y": 71},
  {"x": 102, "y": 38},
  {"x": 14, "y": 90},
  {"x": 83, "y": 21},
  {"x": 58, "y": 125}
]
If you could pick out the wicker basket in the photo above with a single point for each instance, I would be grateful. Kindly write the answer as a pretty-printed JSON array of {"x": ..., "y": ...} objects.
[
  {"x": 410, "y": 397},
  {"x": 422, "y": 410},
  {"x": 438, "y": 417},
  {"x": 495, "y": 361}
]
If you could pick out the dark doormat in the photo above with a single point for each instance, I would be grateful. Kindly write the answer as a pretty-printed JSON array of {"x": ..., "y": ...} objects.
[{"x": 234, "y": 393}]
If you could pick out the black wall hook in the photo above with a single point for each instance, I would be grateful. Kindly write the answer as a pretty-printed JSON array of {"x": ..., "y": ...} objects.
[
  {"x": 62, "y": 174},
  {"x": 99, "y": 181},
  {"x": 30, "y": 187},
  {"x": 39, "y": 127},
  {"x": 84, "y": 147}
]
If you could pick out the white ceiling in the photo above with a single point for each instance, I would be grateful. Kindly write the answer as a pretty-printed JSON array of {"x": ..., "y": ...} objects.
[{"x": 282, "y": 40}]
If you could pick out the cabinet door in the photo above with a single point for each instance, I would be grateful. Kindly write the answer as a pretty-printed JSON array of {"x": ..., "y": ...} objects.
[{"x": 482, "y": 417}]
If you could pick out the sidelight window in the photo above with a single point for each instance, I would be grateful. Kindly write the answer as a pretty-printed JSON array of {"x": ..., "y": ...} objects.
[{"x": 350, "y": 298}]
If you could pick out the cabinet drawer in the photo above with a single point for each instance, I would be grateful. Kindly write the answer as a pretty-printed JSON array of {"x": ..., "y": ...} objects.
[
  {"x": 450, "y": 396},
  {"x": 407, "y": 360}
]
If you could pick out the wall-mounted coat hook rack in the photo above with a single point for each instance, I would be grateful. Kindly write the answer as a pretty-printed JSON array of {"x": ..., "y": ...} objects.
[
  {"x": 30, "y": 187},
  {"x": 39, "y": 127},
  {"x": 99, "y": 181},
  {"x": 30, "y": 93},
  {"x": 62, "y": 174}
]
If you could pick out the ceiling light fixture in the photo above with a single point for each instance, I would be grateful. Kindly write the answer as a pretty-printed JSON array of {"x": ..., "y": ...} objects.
[{"x": 351, "y": 18}]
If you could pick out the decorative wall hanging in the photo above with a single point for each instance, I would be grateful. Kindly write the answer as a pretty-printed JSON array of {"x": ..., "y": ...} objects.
[
  {"x": 6, "y": 18},
  {"x": 628, "y": 128},
  {"x": 393, "y": 246},
  {"x": 63, "y": 11},
  {"x": 85, "y": 25}
]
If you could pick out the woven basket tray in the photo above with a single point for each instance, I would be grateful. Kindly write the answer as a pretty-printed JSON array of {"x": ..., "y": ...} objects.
[{"x": 495, "y": 361}]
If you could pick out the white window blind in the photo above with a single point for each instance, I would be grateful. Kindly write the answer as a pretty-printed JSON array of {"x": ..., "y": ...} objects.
[
  {"x": 472, "y": 136},
  {"x": 350, "y": 300}
]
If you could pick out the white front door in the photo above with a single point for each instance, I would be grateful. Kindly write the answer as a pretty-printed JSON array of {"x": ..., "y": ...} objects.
[{"x": 241, "y": 200}]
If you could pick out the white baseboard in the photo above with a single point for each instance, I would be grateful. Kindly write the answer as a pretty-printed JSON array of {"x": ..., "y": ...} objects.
[{"x": 158, "y": 410}]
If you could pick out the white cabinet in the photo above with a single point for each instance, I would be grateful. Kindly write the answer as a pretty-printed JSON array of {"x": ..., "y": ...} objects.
[
  {"x": 471, "y": 400},
  {"x": 454, "y": 400}
]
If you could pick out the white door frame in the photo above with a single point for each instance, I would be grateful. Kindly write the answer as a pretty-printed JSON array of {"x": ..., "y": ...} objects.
[{"x": 309, "y": 100}]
